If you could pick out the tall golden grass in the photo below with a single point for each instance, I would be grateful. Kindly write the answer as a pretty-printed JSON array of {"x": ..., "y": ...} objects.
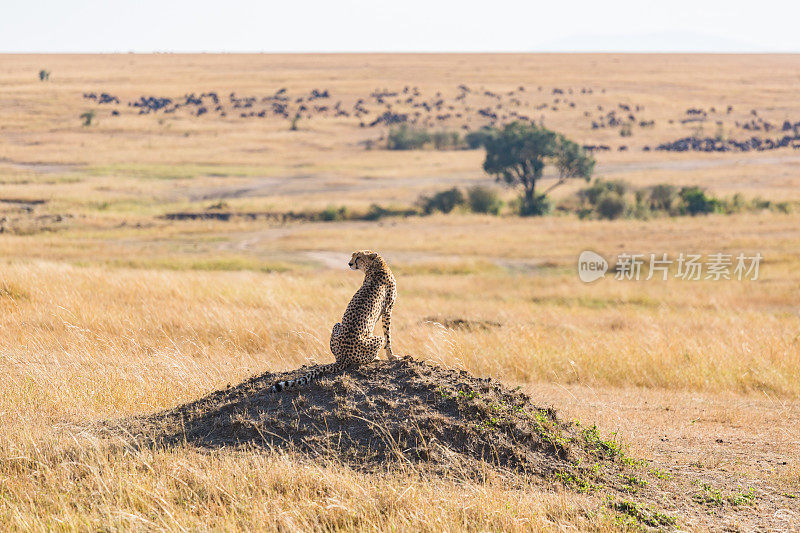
[{"x": 115, "y": 312}]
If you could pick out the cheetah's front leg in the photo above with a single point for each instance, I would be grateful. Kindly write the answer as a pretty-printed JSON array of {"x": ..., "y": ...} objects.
[{"x": 387, "y": 329}]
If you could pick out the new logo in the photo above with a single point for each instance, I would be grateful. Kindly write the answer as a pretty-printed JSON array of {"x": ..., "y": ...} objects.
[{"x": 591, "y": 266}]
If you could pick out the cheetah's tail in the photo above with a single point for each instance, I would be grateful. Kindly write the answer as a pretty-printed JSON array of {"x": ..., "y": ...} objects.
[{"x": 309, "y": 376}]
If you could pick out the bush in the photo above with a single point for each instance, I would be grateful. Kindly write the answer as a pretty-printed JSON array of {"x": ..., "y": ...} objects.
[
  {"x": 483, "y": 200},
  {"x": 377, "y": 212},
  {"x": 738, "y": 204},
  {"x": 785, "y": 207},
  {"x": 44, "y": 75},
  {"x": 626, "y": 130},
  {"x": 538, "y": 207},
  {"x": 87, "y": 117},
  {"x": 695, "y": 201},
  {"x": 332, "y": 213},
  {"x": 406, "y": 138},
  {"x": 607, "y": 199},
  {"x": 611, "y": 205},
  {"x": 444, "y": 140},
  {"x": 612, "y": 199},
  {"x": 759, "y": 203},
  {"x": 444, "y": 201},
  {"x": 640, "y": 211},
  {"x": 663, "y": 197},
  {"x": 600, "y": 187},
  {"x": 476, "y": 139}
]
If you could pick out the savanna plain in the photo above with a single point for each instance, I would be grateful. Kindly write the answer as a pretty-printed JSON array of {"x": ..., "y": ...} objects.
[{"x": 173, "y": 225}]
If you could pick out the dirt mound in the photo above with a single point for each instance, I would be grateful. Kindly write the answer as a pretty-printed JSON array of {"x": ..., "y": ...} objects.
[
  {"x": 447, "y": 422},
  {"x": 385, "y": 412}
]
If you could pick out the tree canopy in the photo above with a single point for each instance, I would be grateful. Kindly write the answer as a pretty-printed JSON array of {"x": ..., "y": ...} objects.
[{"x": 518, "y": 153}]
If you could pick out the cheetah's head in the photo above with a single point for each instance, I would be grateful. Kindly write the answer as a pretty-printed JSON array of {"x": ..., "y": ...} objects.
[{"x": 362, "y": 259}]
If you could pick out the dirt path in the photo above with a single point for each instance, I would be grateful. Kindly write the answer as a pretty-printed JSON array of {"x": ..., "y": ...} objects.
[
  {"x": 43, "y": 168},
  {"x": 719, "y": 444},
  {"x": 302, "y": 185},
  {"x": 305, "y": 184},
  {"x": 338, "y": 260}
]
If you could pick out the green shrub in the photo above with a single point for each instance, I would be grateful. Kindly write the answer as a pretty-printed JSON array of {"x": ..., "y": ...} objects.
[
  {"x": 759, "y": 203},
  {"x": 611, "y": 206},
  {"x": 477, "y": 139},
  {"x": 406, "y": 138},
  {"x": 663, "y": 197},
  {"x": 444, "y": 201},
  {"x": 44, "y": 75},
  {"x": 332, "y": 213},
  {"x": 738, "y": 204},
  {"x": 612, "y": 199},
  {"x": 696, "y": 202},
  {"x": 87, "y": 117},
  {"x": 640, "y": 211},
  {"x": 444, "y": 140},
  {"x": 483, "y": 200},
  {"x": 784, "y": 207},
  {"x": 600, "y": 187},
  {"x": 538, "y": 207},
  {"x": 377, "y": 212}
]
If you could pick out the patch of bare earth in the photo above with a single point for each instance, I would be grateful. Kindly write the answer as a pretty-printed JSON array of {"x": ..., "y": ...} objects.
[
  {"x": 446, "y": 422},
  {"x": 736, "y": 457}
]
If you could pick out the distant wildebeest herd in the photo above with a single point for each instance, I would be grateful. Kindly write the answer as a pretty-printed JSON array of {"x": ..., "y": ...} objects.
[{"x": 470, "y": 109}]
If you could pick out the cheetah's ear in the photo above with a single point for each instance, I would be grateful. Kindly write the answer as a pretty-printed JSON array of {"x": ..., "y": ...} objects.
[{"x": 371, "y": 255}]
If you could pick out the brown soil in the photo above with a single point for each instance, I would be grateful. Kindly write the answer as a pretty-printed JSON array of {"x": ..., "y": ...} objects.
[{"x": 387, "y": 412}]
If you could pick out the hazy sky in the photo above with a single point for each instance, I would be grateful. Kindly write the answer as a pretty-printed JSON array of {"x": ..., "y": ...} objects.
[{"x": 410, "y": 25}]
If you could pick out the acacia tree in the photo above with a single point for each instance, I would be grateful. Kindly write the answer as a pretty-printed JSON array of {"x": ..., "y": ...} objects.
[
  {"x": 572, "y": 161},
  {"x": 518, "y": 154}
]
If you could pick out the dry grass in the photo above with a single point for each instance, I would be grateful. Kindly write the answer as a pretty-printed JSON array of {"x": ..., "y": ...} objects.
[
  {"x": 198, "y": 329},
  {"x": 115, "y": 312},
  {"x": 91, "y": 487},
  {"x": 91, "y": 343}
]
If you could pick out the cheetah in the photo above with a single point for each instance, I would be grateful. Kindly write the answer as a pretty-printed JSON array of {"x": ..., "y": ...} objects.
[{"x": 352, "y": 340}]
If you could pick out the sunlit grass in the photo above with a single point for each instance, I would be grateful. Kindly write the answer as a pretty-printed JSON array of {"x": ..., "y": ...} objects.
[
  {"x": 177, "y": 171},
  {"x": 92, "y": 487},
  {"x": 116, "y": 312}
]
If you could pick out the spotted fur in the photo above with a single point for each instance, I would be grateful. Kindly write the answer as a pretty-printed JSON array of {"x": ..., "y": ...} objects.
[{"x": 352, "y": 340}]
